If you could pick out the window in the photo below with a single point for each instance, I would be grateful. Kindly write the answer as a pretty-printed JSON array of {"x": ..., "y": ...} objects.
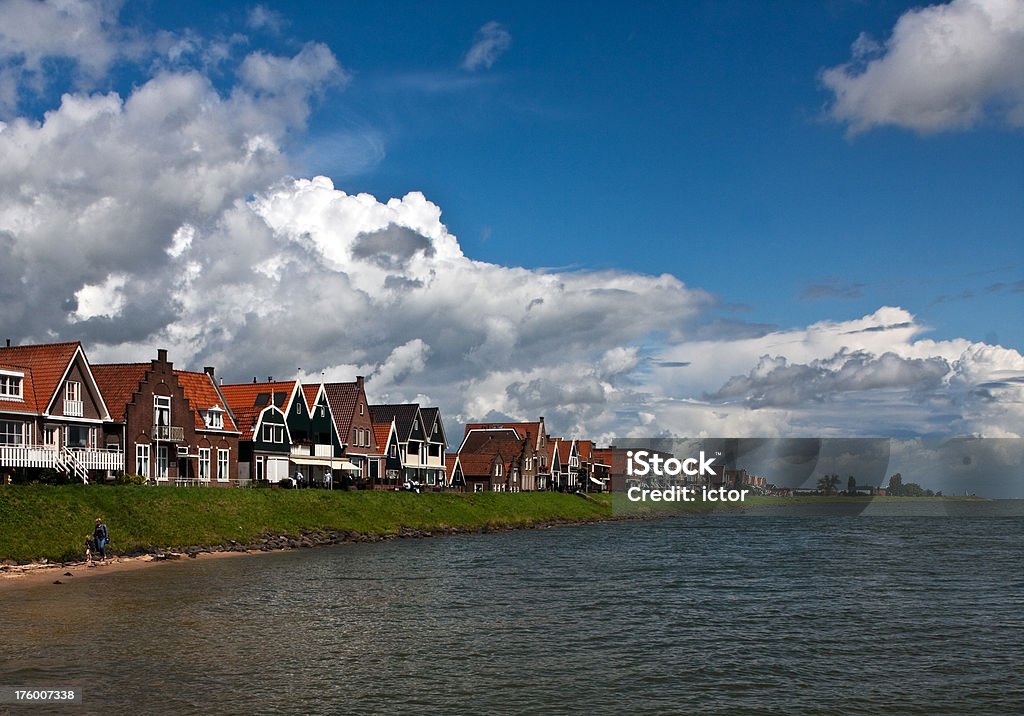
[
  {"x": 393, "y": 451},
  {"x": 204, "y": 464},
  {"x": 72, "y": 390},
  {"x": 223, "y": 465},
  {"x": 259, "y": 468},
  {"x": 322, "y": 411},
  {"x": 214, "y": 418},
  {"x": 478, "y": 487},
  {"x": 161, "y": 410},
  {"x": 499, "y": 469},
  {"x": 161, "y": 462},
  {"x": 273, "y": 433},
  {"x": 360, "y": 408},
  {"x": 12, "y": 433},
  {"x": 298, "y": 407},
  {"x": 415, "y": 424},
  {"x": 10, "y": 384},
  {"x": 142, "y": 460},
  {"x": 78, "y": 436},
  {"x": 355, "y": 436},
  {"x": 278, "y": 433}
]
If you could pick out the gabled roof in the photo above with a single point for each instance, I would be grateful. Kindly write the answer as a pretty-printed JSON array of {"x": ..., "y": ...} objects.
[
  {"x": 478, "y": 438},
  {"x": 343, "y": 399},
  {"x": 430, "y": 417},
  {"x": 49, "y": 364},
  {"x": 403, "y": 415},
  {"x": 202, "y": 395},
  {"x": 585, "y": 449},
  {"x": 118, "y": 381},
  {"x": 451, "y": 461}
]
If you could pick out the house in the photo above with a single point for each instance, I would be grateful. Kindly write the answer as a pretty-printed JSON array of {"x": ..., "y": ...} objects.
[
  {"x": 536, "y": 467},
  {"x": 479, "y": 456},
  {"x": 53, "y": 416},
  {"x": 355, "y": 428},
  {"x": 265, "y": 443},
  {"x": 317, "y": 448},
  {"x": 177, "y": 426},
  {"x": 454, "y": 477},
  {"x": 421, "y": 441},
  {"x": 386, "y": 435}
]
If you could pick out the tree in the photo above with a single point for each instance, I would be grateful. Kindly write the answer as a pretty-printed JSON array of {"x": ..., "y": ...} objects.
[
  {"x": 827, "y": 484},
  {"x": 896, "y": 484},
  {"x": 851, "y": 486}
]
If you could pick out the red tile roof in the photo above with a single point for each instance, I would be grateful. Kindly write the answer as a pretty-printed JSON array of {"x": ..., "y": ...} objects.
[
  {"x": 202, "y": 395},
  {"x": 29, "y": 401},
  {"x": 381, "y": 432},
  {"x": 48, "y": 363},
  {"x": 244, "y": 395},
  {"x": 117, "y": 383},
  {"x": 310, "y": 392}
]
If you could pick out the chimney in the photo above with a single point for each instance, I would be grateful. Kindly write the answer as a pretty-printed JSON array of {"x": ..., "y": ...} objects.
[
  {"x": 8, "y": 342},
  {"x": 209, "y": 370},
  {"x": 270, "y": 379},
  {"x": 161, "y": 355},
  {"x": 359, "y": 382},
  {"x": 254, "y": 379}
]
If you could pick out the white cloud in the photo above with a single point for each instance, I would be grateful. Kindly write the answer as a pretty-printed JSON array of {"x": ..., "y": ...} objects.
[
  {"x": 490, "y": 43},
  {"x": 186, "y": 236},
  {"x": 32, "y": 32},
  {"x": 944, "y": 67}
]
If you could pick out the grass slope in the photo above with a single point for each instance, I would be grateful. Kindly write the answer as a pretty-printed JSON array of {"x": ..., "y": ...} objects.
[{"x": 40, "y": 521}]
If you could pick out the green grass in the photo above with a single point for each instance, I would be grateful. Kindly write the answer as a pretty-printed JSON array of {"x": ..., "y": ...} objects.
[{"x": 40, "y": 521}]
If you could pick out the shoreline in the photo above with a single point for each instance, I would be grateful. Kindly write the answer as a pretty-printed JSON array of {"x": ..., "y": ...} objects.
[{"x": 38, "y": 573}]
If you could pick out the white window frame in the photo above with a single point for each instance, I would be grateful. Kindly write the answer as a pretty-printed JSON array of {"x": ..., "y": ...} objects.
[
  {"x": 214, "y": 418},
  {"x": 162, "y": 408},
  {"x": 163, "y": 460},
  {"x": 12, "y": 385},
  {"x": 204, "y": 464},
  {"x": 142, "y": 461},
  {"x": 223, "y": 465}
]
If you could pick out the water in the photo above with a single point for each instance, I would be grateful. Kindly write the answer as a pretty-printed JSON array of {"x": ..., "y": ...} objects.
[{"x": 716, "y": 614}]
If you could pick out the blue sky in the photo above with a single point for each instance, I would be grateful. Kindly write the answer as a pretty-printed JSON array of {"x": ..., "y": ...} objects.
[
  {"x": 691, "y": 138},
  {"x": 834, "y": 191}
]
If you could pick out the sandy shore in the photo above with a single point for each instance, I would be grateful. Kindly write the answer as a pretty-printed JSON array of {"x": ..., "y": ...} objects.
[{"x": 37, "y": 573}]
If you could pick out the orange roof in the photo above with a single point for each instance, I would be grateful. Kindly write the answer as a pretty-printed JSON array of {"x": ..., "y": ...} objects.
[
  {"x": 381, "y": 432},
  {"x": 251, "y": 395},
  {"x": 28, "y": 403},
  {"x": 202, "y": 395},
  {"x": 309, "y": 392},
  {"x": 585, "y": 448},
  {"x": 48, "y": 363},
  {"x": 117, "y": 383}
]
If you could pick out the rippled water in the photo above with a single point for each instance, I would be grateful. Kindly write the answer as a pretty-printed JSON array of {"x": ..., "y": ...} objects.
[{"x": 717, "y": 614}]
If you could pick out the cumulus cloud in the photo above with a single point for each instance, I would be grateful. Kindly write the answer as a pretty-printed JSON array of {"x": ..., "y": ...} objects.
[
  {"x": 84, "y": 33},
  {"x": 490, "y": 43},
  {"x": 166, "y": 217},
  {"x": 944, "y": 67}
]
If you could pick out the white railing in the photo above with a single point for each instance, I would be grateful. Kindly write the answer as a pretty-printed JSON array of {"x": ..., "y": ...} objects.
[
  {"x": 73, "y": 408},
  {"x": 28, "y": 456},
  {"x": 71, "y": 460},
  {"x": 320, "y": 450},
  {"x": 104, "y": 459}
]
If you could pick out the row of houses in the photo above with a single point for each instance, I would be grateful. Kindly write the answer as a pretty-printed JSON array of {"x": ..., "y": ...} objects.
[{"x": 92, "y": 421}]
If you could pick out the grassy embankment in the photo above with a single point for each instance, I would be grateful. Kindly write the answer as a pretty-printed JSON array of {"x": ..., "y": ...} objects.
[{"x": 39, "y": 521}]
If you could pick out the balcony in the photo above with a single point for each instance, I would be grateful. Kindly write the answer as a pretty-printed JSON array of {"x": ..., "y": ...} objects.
[
  {"x": 168, "y": 433},
  {"x": 49, "y": 456},
  {"x": 312, "y": 450},
  {"x": 73, "y": 408}
]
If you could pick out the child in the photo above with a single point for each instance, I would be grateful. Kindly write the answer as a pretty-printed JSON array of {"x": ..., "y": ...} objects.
[{"x": 88, "y": 548}]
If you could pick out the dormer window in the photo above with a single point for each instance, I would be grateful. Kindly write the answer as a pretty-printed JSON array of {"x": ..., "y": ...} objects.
[
  {"x": 10, "y": 384},
  {"x": 214, "y": 418},
  {"x": 498, "y": 469}
]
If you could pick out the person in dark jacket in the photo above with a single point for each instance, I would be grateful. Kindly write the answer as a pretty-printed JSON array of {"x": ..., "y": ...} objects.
[{"x": 100, "y": 538}]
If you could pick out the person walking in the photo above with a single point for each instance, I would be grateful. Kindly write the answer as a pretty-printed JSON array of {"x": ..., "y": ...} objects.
[{"x": 100, "y": 538}]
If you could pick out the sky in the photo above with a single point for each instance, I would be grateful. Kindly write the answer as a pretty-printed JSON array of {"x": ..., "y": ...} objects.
[{"x": 738, "y": 219}]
